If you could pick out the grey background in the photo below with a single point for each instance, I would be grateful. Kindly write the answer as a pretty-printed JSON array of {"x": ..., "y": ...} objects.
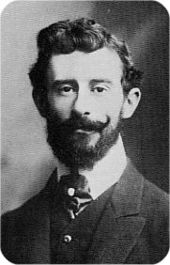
[{"x": 26, "y": 159}]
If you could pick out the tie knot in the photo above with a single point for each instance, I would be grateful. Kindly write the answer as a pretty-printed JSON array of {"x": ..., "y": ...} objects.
[
  {"x": 74, "y": 185},
  {"x": 74, "y": 193}
]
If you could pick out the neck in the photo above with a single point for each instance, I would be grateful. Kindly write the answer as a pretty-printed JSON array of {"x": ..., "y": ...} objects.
[{"x": 105, "y": 172}]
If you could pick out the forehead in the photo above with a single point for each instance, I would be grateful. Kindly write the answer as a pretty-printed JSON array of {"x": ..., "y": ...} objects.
[{"x": 103, "y": 63}]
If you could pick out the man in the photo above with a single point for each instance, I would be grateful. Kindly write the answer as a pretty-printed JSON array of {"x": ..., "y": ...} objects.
[{"x": 96, "y": 207}]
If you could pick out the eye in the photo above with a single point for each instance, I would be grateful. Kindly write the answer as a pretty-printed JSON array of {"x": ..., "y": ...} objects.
[
  {"x": 66, "y": 90},
  {"x": 99, "y": 89}
]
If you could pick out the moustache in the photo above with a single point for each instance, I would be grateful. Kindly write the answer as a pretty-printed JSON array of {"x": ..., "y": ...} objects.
[{"x": 76, "y": 122}]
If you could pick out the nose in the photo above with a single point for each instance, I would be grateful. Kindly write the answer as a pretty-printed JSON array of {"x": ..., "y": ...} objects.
[{"x": 82, "y": 104}]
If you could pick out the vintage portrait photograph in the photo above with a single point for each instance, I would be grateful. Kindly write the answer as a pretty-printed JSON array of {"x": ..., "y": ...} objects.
[{"x": 85, "y": 132}]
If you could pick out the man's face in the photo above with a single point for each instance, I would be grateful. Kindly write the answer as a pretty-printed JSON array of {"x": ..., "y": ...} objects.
[{"x": 85, "y": 98}]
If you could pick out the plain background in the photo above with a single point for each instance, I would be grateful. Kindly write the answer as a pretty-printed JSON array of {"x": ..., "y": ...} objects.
[{"x": 27, "y": 160}]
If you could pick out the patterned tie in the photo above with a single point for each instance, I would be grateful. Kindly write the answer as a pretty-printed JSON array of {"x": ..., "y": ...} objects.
[{"x": 74, "y": 193}]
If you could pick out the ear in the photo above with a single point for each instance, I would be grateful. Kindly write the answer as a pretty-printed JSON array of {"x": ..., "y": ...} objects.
[
  {"x": 40, "y": 102},
  {"x": 131, "y": 102}
]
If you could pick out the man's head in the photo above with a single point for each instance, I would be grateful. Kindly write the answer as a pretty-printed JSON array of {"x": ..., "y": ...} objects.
[{"x": 84, "y": 84}]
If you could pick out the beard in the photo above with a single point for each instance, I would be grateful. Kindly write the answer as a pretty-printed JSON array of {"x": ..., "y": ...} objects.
[{"x": 73, "y": 148}]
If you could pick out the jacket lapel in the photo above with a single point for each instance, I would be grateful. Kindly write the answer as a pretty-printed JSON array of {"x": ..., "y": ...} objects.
[{"x": 120, "y": 224}]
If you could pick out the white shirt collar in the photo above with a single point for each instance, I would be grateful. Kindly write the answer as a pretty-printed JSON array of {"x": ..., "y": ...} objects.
[{"x": 105, "y": 172}]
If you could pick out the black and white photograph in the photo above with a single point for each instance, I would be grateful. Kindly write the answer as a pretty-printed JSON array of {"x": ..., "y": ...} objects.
[{"x": 84, "y": 132}]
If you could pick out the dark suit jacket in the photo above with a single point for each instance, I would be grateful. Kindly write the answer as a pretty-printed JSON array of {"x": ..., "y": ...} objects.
[{"x": 132, "y": 230}]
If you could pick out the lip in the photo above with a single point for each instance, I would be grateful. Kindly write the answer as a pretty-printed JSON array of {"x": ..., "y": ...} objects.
[{"x": 84, "y": 131}]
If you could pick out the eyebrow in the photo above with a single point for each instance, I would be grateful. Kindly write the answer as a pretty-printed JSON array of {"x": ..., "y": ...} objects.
[
  {"x": 63, "y": 81},
  {"x": 96, "y": 81},
  {"x": 59, "y": 82}
]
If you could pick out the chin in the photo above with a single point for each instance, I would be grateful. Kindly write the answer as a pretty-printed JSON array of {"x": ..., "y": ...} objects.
[
  {"x": 86, "y": 140},
  {"x": 94, "y": 139},
  {"x": 81, "y": 149},
  {"x": 82, "y": 152}
]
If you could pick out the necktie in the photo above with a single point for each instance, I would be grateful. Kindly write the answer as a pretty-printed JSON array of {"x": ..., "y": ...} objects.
[{"x": 74, "y": 193}]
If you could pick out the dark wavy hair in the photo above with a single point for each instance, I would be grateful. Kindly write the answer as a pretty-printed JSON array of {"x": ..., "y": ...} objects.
[{"x": 84, "y": 35}]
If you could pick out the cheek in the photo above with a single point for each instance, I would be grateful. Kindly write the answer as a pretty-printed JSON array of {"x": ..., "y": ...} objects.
[
  {"x": 61, "y": 106},
  {"x": 113, "y": 105}
]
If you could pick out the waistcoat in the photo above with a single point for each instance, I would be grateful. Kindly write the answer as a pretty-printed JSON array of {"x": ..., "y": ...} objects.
[{"x": 70, "y": 240}]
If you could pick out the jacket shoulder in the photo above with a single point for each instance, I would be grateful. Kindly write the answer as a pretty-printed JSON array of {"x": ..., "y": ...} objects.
[
  {"x": 16, "y": 225},
  {"x": 23, "y": 210},
  {"x": 154, "y": 199}
]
